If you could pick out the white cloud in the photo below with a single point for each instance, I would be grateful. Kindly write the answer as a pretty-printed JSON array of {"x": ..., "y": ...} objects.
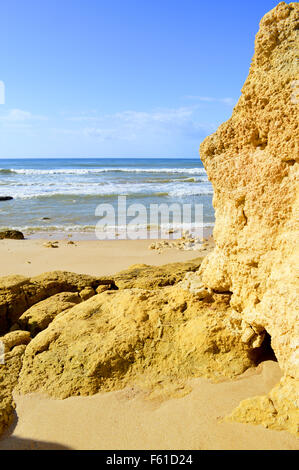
[
  {"x": 2, "y": 92},
  {"x": 103, "y": 134},
  {"x": 18, "y": 115},
  {"x": 159, "y": 115},
  {"x": 137, "y": 117},
  {"x": 82, "y": 118},
  {"x": 129, "y": 125}
]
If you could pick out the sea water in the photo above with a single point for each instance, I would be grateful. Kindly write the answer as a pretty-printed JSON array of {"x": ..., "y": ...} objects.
[{"x": 61, "y": 195}]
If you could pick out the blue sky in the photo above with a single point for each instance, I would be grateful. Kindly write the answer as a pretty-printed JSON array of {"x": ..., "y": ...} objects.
[{"x": 121, "y": 78}]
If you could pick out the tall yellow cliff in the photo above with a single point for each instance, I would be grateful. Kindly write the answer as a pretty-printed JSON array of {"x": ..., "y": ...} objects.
[{"x": 252, "y": 162}]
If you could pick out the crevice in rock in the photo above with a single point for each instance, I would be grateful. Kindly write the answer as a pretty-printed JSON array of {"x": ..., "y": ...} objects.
[
  {"x": 222, "y": 292},
  {"x": 290, "y": 162},
  {"x": 253, "y": 264},
  {"x": 265, "y": 351}
]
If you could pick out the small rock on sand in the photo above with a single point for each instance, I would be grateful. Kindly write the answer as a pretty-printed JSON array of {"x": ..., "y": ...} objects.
[
  {"x": 11, "y": 234},
  {"x": 51, "y": 245}
]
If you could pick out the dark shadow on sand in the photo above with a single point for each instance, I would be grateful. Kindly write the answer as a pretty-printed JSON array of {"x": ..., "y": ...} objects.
[
  {"x": 10, "y": 442},
  {"x": 17, "y": 443}
]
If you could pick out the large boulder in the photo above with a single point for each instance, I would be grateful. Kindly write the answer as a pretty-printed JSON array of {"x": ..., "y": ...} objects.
[
  {"x": 18, "y": 293},
  {"x": 252, "y": 162},
  {"x": 136, "y": 336},
  {"x": 40, "y": 315}
]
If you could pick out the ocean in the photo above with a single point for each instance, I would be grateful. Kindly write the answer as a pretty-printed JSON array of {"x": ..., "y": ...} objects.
[{"x": 61, "y": 195}]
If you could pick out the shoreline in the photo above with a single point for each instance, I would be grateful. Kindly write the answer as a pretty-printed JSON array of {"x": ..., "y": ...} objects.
[
  {"x": 85, "y": 254},
  {"x": 90, "y": 235},
  {"x": 207, "y": 231}
]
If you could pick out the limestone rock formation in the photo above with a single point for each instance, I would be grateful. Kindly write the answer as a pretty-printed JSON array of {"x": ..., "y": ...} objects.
[
  {"x": 15, "y": 338},
  {"x": 150, "y": 277},
  {"x": 136, "y": 336},
  {"x": 10, "y": 366},
  {"x": 278, "y": 410},
  {"x": 18, "y": 293},
  {"x": 252, "y": 162},
  {"x": 40, "y": 315},
  {"x": 28, "y": 306}
]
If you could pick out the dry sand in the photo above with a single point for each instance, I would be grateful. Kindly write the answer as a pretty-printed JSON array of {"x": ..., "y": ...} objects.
[
  {"x": 126, "y": 419},
  {"x": 94, "y": 257}
]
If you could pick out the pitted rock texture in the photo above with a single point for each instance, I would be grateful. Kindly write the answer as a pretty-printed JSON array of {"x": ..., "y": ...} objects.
[
  {"x": 144, "y": 276},
  {"x": 29, "y": 306},
  {"x": 278, "y": 410},
  {"x": 252, "y": 162},
  {"x": 40, "y": 315},
  {"x": 18, "y": 293},
  {"x": 135, "y": 336},
  {"x": 12, "y": 349}
]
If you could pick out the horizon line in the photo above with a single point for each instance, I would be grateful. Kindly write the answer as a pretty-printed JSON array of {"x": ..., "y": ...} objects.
[{"x": 95, "y": 158}]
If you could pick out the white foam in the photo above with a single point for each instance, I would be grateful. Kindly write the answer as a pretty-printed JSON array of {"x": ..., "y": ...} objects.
[
  {"x": 100, "y": 190},
  {"x": 86, "y": 171},
  {"x": 163, "y": 228}
]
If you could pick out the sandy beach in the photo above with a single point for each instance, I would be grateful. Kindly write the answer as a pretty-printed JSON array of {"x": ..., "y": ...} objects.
[
  {"x": 94, "y": 257},
  {"x": 127, "y": 419}
]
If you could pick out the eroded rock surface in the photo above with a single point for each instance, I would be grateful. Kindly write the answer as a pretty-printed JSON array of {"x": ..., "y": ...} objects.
[
  {"x": 12, "y": 348},
  {"x": 18, "y": 293},
  {"x": 252, "y": 162},
  {"x": 144, "y": 276},
  {"x": 40, "y": 315},
  {"x": 29, "y": 306},
  {"x": 278, "y": 410},
  {"x": 146, "y": 337}
]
